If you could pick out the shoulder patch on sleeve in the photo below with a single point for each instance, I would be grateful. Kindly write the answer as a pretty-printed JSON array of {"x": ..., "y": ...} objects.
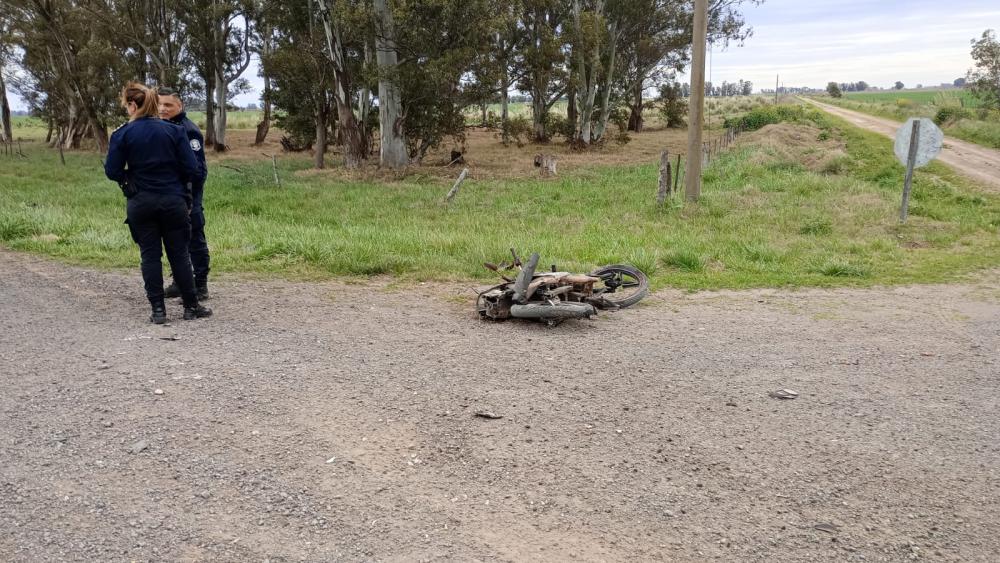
[{"x": 195, "y": 145}]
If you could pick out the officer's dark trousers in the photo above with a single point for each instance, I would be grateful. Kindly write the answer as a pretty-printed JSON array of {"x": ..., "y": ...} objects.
[
  {"x": 159, "y": 221},
  {"x": 199, "y": 245}
]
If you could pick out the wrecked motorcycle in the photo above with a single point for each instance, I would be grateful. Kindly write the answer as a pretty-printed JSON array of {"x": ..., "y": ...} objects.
[{"x": 555, "y": 296}]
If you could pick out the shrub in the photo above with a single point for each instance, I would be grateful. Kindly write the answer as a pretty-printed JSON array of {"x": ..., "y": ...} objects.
[
  {"x": 905, "y": 103},
  {"x": 518, "y": 129},
  {"x": 951, "y": 114},
  {"x": 767, "y": 115},
  {"x": 559, "y": 124},
  {"x": 673, "y": 108}
]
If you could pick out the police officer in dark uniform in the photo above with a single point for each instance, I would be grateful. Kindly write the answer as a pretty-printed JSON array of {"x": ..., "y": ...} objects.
[
  {"x": 171, "y": 108},
  {"x": 152, "y": 161}
]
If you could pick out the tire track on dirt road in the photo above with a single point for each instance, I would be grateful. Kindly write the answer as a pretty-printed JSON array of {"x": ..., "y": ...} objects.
[{"x": 977, "y": 162}]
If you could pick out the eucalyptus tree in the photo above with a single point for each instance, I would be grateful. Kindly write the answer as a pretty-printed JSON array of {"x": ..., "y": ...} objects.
[
  {"x": 219, "y": 50},
  {"x": 339, "y": 49},
  {"x": 544, "y": 73},
  {"x": 153, "y": 27},
  {"x": 73, "y": 71},
  {"x": 301, "y": 76},
  {"x": 6, "y": 54},
  {"x": 392, "y": 146},
  {"x": 438, "y": 43}
]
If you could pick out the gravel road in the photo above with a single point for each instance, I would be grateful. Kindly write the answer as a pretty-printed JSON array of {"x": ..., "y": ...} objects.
[
  {"x": 336, "y": 422},
  {"x": 975, "y": 161}
]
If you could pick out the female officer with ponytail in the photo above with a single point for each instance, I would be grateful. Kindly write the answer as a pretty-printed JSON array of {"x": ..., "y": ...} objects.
[{"x": 153, "y": 163}]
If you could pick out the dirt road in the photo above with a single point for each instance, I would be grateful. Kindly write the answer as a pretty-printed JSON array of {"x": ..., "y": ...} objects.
[
  {"x": 977, "y": 162},
  {"x": 323, "y": 422}
]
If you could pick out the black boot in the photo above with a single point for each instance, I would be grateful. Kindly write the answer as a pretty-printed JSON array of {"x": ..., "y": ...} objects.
[
  {"x": 159, "y": 315},
  {"x": 202, "y": 287},
  {"x": 196, "y": 312},
  {"x": 172, "y": 291}
]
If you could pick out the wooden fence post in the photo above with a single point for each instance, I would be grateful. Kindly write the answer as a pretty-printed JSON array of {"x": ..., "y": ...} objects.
[
  {"x": 454, "y": 189},
  {"x": 677, "y": 173},
  {"x": 664, "y": 190}
]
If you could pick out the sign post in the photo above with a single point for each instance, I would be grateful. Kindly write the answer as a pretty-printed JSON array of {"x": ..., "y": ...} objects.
[{"x": 918, "y": 141}]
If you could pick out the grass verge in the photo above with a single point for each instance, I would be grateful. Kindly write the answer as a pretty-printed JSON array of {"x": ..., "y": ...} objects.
[{"x": 765, "y": 220}]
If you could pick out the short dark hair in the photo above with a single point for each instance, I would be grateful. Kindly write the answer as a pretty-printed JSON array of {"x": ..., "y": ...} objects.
[{"x": 167, "y": 91}]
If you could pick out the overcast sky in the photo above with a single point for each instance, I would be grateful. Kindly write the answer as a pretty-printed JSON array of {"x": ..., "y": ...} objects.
[{"x": 812, "y": 42}]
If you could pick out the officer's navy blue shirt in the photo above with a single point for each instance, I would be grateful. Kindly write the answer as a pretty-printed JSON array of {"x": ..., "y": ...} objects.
[
  {"x": 196, "y": 141},
  {"x": 158, "y": 155}
]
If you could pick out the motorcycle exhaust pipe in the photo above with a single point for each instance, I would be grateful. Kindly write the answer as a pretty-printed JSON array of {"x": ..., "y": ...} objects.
[{"x": 560, "y": 311}]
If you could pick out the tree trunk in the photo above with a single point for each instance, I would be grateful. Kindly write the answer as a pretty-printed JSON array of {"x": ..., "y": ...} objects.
[
  {"x": 589, "y": 78},
  {"x": 5, "y": 129},
  {"x": 504, "y": 101},
  {"x": 99, "y": 131},
  {"x": 348, "y": 129},
  {"x": 221, "y": 89},
  {"x": 538, "y": 111},
  {"x": 321, "y": 115},
  {"x": 609, "y": 72},
  {"x": 365, "y": 105},
  {"x": 482, "y": 108},
  {"x": 572, "y": 115},
  {"x": 392, "y": 152},
  {"x": 265, "y": 123},
  {"x": 635, "y": 122},
  {"x": 209, "y": 110}
]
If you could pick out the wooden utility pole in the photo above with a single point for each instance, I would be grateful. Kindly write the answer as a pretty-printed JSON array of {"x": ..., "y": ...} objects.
[{"x": 692, "y": 183}]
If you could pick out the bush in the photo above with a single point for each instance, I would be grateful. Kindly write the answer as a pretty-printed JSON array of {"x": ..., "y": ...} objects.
[
  {"x": 766, "y": 115},
  {"x": 905, "y": 103},
  {"x": 518, "y": 129},
  {"x": 619, "y": 116},
  {"x": 559, "y": 124},
  {"x": 950, "y": 114},
  {"x": 673, "y": 108}
]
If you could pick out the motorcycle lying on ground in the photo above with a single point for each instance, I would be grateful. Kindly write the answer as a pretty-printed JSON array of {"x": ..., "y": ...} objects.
[{"x": 555, "y": 296}]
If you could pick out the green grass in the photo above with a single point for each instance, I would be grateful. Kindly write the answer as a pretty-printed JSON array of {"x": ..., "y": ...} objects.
[
  {"x": 764, "y": 221},
  {"x": 917, "y": 96}
]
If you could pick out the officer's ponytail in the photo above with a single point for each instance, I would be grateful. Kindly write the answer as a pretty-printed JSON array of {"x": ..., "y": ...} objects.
[{"x": 144, "y": 98}]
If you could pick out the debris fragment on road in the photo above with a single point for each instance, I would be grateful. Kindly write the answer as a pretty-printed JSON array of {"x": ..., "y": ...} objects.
[{"x": 784, "y": 394}]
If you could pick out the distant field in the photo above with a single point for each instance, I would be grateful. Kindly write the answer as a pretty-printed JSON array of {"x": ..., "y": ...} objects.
[
  {"x": 956, "y": 111},
  {"x": 918, "y": 96},
  {"x": 32, "y": 128}
]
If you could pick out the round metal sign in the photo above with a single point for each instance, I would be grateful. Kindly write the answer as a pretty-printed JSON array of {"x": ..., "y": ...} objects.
[{"x": 929, "y": 142}]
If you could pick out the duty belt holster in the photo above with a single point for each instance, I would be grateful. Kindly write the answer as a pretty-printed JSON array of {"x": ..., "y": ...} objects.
[{"x": 128, "y": 189}]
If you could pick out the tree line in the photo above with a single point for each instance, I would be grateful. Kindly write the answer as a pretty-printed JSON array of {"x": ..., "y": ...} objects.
[{"x": 388, "y": 76}]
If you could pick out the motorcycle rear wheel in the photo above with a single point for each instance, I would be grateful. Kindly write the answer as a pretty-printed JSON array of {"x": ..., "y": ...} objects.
[{"x": 622, "y": 284}]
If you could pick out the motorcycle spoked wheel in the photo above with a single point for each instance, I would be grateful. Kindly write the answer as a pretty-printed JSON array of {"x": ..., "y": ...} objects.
[{"x": 621, "y": 284}]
